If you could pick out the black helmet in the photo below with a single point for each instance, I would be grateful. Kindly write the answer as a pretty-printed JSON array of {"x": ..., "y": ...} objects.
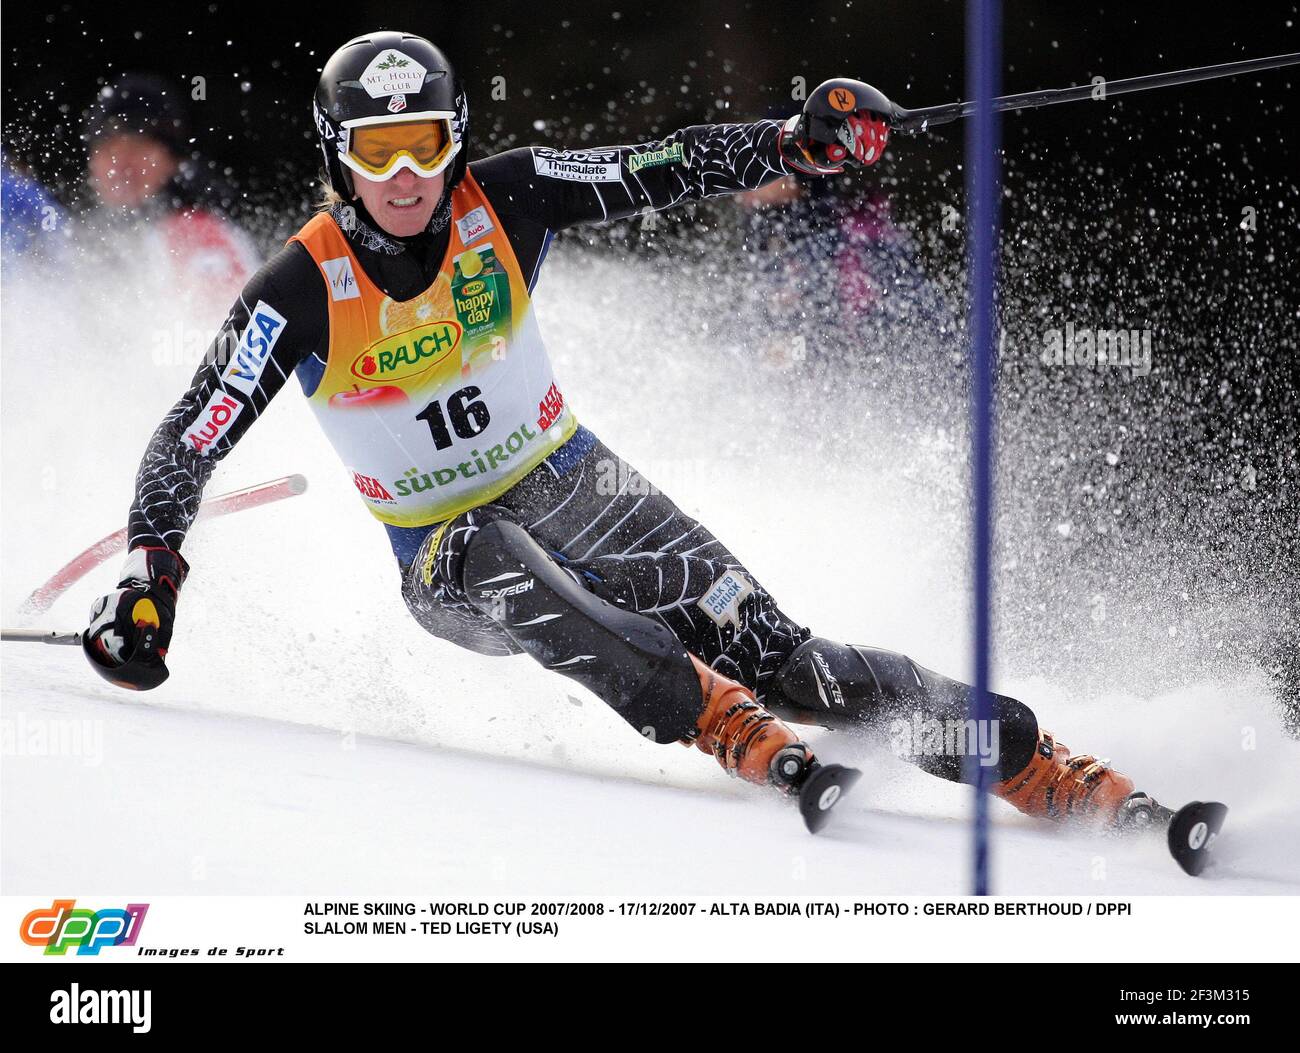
[
  {"x": 383, "y": 78},
  {"x": 140, "y": 104}
]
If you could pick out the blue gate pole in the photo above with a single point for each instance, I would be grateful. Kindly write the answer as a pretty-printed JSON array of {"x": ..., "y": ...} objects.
[{"x": 983, "y": 204}]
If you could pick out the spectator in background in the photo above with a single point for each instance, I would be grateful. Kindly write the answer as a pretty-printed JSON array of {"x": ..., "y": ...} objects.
[
  {"x": 33, "y": 223},
  {"x": 833, "y": 269},
  {"x": 881, "y": 274},
  {"x": 790, "y": 231},
  {"x": 144, "y": 177}
]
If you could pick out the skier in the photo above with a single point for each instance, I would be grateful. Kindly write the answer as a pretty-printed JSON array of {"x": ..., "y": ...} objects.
[
  {"x": 157, "y": 200},
  {"x": 403, "y": 307}
]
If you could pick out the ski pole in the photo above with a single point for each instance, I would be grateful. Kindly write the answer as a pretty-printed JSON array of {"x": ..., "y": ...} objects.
[
  {"x": 82, "y": 564},
  {"x": 51, "y": 636},
  {"x": 904, "y": 120}
]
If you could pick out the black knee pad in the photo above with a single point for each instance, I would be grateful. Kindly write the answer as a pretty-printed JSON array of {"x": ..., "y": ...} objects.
[
  {"x": 636, "y": 665},
  {"x": 432, "y": 586},
  {"x": 455, "y": 621},
  {"x": 844, "y": 685}
]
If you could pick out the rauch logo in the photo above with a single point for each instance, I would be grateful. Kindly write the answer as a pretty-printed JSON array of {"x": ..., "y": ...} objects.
[
  {"x": 58, "y": 927},
  {"x": 408, "y": 354}
]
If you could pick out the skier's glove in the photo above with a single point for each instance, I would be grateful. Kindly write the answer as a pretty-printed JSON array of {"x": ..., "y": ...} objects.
[
  {"x": 843, "y": 122},
  {"x": 130, "y": 628}
]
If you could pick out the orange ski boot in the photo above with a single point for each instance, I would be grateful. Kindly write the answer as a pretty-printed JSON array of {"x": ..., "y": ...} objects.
[
  {"x": 1055, "y": 785},
  {"x": 746, "y": 739}
]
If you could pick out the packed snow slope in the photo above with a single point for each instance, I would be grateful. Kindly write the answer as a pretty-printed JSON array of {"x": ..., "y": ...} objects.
[{"x": 312, "y": 739}]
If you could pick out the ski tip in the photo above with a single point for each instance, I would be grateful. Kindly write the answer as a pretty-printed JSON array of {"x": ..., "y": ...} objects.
[
  {"x": 1192, "y": 833},
  {"x": 822, "y": 792}
]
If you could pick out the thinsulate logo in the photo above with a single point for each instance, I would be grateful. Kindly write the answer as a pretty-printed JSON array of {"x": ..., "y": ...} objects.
[
  {"x": 62, "y": 925},
  {"x": 407, "y": 354}
]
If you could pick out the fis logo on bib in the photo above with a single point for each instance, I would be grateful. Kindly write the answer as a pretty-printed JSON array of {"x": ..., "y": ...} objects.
[
  {"x": 244, "y": 369},
  {"x": 342, "y": 282},
  {"x": 62, "y": 925}
]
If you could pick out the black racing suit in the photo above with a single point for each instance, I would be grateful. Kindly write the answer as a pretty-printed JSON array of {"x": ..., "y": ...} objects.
[
  {"x": 533, "y": 207},
  {"x": 595, "y": 515}
]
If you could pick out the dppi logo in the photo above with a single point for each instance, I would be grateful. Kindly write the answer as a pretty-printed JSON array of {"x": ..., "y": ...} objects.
[{"x": 61, "y": 926}]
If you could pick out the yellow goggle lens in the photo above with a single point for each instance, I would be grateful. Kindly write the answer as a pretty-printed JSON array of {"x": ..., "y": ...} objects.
[{"x": 377, "y": 147}]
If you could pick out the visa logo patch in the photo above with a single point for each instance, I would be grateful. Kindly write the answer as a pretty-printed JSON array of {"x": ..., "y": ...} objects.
[
  {"x": 244, "y": 369},
  {"x": 342, "y": 282},
  {"x": 474, "y": 224}
]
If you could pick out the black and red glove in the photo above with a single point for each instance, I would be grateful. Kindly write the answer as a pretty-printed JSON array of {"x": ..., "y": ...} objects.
[
  {"x": 130, "y": 628},
  {"x": 843, "y": 122}
]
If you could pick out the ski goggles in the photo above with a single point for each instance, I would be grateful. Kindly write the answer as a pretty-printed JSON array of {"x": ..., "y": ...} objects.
[{"x": 377, "y": 148}]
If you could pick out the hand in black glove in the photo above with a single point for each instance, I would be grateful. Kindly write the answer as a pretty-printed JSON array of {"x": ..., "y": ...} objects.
[
  {"x": 130, "y": 629},
  {"x": 843, "y": 122}
]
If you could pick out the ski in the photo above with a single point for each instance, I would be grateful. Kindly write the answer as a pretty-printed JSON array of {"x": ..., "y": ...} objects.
[
  {"x": 1191, "y": 834},
  {"x": 822, "y": 791},
  {"x": 1190, "y": 831}
]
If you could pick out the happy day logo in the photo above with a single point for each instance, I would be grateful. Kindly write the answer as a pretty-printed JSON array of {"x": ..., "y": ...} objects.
[{"x": 58, "y": 927}]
